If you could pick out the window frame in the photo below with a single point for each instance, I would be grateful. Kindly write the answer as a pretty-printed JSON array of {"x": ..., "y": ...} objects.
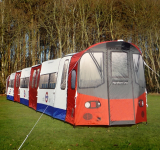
[
  {"x": 48, "y": 80},
  {"x": 63, "y": 77},
  {"x": 119, "y": 77},
  {"x": 103, "y": 56}
]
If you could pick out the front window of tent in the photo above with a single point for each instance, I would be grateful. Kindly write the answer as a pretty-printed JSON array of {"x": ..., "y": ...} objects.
[
  {"x": 139, "y": 70},
  {"x": 43, "y": 83},
  {"x": 91, "y": 70},
  {"x": 119, "y": 65},
  {"x": 52, "y": 81}
]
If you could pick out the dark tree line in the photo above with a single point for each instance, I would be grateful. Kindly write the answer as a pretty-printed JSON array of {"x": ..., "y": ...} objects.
[{"x": 33, "y": 31}]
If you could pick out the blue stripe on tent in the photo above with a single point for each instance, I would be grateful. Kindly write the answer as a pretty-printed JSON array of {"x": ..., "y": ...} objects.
[
  {"x": 9, "y": 97},
  {"x": 59, "y": 113},
  {"x": 24, "y": 101},
  {"x": 42, "y": 107}
]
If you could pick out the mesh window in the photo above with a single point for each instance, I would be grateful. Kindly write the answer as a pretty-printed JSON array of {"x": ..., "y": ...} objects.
[
  {"x": 26, "y": 82},
  {"x": 139, "y": 70},
  {"x": 119, "y": 65},
  {"x": 17, "y": 80},
  {"x": 11, "y": 83},
  {"x": 37, "y": 75},
  {"x": 43, "y": 84},
  {"x": 22, "y": 82},
  {"x": 73, "y": 79},
  {"x": 91, "y": 70},
  {"x": 33, "y": 78},
  {"x": 64, "y": 74},
  {"x": 53, "y": 80}
]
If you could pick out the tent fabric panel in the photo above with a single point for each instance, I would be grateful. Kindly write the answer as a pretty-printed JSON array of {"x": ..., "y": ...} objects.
[
  {"x": 71, "y": 92},
  {"x": 42, "y": 107},
  {"x": 9, "y": 97},
  {"x": 16, "y": 89},
  {"x": 91, "y": 110},
  {"x": 61, "y": 86},
  {"x": 59, "y": 114},
  {"x": 121, "y": 109},
  {"x": 33, "y": 90},
  {"x": 24, "y": 101},
  {"x": 140, "y": 108}
]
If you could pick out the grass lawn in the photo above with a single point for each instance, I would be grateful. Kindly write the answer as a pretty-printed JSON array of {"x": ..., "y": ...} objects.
[{"x": 16, "y": 121}]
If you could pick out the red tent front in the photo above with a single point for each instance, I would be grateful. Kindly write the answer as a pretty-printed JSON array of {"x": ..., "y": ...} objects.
[
  {"x": 16, "y": 86},
  {"x": 33, "y": 85}
]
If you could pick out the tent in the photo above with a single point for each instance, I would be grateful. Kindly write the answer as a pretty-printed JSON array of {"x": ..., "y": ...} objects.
[
  {"x": 106, "y": 85},
  {"x": 33, "y": 85},
  {"x": 102, "y": 85},
  {"x": 16, "y": 86},
  {"x": 24, "y": 86},
  {"x": 10, "y": 91}
]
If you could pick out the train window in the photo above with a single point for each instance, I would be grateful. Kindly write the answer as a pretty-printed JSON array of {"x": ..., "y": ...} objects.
[
  {"x": 91, "y": 70},
  {"x": 119, "y": 65},
  {"x": 73, "y": 79},
  {"x": 53, "y": 80},
  {"x": 33, "y": 78},
  {"x": 24, "y": 82},
  {"x": 11, "y": 83},
  {"x": 64, "y": 74},
  {"x": 43, "y": 84},
  {"x": 37, "y": 75},
  {"x": 139, "y": 70},
  {"x": 48, "y": 81}
]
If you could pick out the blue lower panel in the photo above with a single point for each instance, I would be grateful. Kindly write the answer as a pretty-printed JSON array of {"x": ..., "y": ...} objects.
[
  {"x": 59, "y": 114},
  {"x": 42, "y": 107},
  {"x": 9, "y": 97},
  {"x": 24, "y": 101}
]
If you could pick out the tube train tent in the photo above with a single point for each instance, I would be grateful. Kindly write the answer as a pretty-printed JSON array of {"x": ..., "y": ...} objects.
[
  {"x": 102, "y": 85},
  {"x": 24, "y": 86},
  {"x": 10, "y": 91},
  {"x": 33, "y": 85},
  {"x": 16, "y": 86}
]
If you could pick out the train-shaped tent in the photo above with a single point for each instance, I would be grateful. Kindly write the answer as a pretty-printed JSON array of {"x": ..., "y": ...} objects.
[{"x": 102, "y": 85}]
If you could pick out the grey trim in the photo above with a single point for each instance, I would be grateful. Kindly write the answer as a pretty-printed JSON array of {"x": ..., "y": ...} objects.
[{"x": 126, "y": 122}]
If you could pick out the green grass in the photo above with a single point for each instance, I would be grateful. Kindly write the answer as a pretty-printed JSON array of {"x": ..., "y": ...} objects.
[{"x": 16, "y": 121}]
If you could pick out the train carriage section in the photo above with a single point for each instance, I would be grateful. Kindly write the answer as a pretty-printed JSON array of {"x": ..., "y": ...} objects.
[
  {"x": 47, "y": 86},
  {"x": 33, "y": 85},
  {"x": 16, "y": 86},
  {"x": 61, "y": 89},
  {"x": 10, "y": 91},
  {"x": 107, "y": 85},
  {"x": 7, "y": 84},
  {"x": 24, "y": 86}
]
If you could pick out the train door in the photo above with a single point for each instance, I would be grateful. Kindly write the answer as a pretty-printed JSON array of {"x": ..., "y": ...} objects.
[{"x": 120, "y": 86}]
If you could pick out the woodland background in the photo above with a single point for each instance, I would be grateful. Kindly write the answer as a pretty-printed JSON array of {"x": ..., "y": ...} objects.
[{"x": 33, "y": 31}]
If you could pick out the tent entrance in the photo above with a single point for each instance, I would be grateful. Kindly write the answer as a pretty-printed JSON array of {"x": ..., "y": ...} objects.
[{"x": 120, "y": 88}]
